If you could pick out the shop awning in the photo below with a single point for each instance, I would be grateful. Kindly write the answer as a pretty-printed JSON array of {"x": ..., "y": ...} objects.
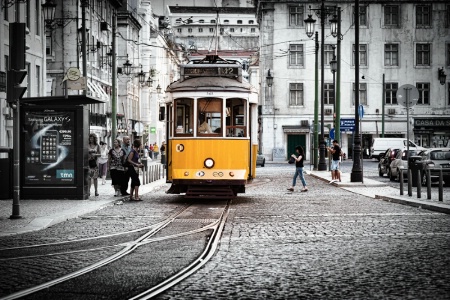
[{"x": 62, "y": 100}]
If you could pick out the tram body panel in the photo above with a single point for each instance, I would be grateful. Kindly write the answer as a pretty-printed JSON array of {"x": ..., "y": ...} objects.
[{"x": 229, "y": 155}]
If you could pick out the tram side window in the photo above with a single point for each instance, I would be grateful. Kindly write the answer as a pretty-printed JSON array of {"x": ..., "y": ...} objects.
[
  {"x": 184, "y": 112},
  {"x": 236, "y": 118},
  {"x": 209, "y": 116}
]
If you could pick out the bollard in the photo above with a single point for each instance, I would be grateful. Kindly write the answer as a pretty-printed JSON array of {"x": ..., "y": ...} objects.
[
  {"x": 428, "y": 183},
  {"x": 401, "y": 181},
  {"x": 419, "y": 185},
  {"x": 409, "y": 182},
  {"x": 441, "y": 186}
]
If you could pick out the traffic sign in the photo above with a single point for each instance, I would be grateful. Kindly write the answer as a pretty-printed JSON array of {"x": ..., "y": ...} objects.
[
  {"x": 407, "y": 92},
  {"x": 361, "y": 111},
  {"x": 332, "y": 133},
  {"x": 347, "y": 124}
]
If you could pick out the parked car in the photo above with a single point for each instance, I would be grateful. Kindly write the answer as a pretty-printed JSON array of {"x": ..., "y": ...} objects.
[
  {"x": 435, "y": 158},
  {"x": 380, "y": 145},
  {"x": 260, "y": 160},
  {"x": 385, "y": 161},
  {"x": 400, "y": 162}
]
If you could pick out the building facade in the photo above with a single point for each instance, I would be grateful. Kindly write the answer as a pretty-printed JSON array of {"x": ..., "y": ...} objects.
[{"x": 405, "y": 42}]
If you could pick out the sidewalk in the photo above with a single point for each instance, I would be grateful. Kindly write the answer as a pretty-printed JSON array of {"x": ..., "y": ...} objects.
[
  {"x": 39, "y": 214},
  {"x": 379, "y": 190}
]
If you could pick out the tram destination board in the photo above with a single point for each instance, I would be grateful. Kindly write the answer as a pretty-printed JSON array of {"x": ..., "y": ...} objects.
[{"x": 230, "y": 71}]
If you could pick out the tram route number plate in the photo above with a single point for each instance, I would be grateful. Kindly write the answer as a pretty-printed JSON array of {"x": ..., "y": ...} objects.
[{"x": 208, "y": 71}]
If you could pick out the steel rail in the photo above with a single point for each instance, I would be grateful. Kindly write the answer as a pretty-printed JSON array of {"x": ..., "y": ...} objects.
[{"x": 207, "y": 254}]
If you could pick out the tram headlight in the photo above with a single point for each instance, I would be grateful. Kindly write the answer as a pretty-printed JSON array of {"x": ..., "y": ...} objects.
[{"x": 209, "y": 163}]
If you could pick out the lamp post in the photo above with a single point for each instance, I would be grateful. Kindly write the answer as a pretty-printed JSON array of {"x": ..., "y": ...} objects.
[
  {"x": 442, "y": 76},
  {"x": 356, "y": 174},
  {"x": 322, "y": 13},
  {"x": 333, "y": 68}
]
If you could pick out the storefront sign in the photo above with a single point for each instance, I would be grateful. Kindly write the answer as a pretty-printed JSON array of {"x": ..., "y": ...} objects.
[
  {"x": 432, "y": 122},
  {"x": 49, "y": 148}
]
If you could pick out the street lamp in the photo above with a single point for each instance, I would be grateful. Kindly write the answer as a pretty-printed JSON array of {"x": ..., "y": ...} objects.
[
  {"x": 322, "y": 13},
  {"x": 269, "y": 79},
  {"x": 48, "y": 10},
  {"x": 158, "y": 89},
  {"x": 127, "y": 67},
  {"x": 149, "y": 82},
  {"x": 442, "y": 76}
]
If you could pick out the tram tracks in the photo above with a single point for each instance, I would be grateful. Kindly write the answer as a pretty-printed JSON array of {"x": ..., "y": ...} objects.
[{"x": 152, "y": 234}]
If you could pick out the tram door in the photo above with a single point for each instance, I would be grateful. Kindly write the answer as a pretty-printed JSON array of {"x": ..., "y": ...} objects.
[{"x": 293, "y": 140}]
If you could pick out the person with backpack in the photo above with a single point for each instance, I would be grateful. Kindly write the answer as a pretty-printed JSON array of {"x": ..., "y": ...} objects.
[{"x": 336, "y": 154}]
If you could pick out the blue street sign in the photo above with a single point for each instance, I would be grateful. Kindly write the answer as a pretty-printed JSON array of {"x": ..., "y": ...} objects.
[
  {"x": 332, "y": 133},
  {"x": 347, "y": 124},
  {"x": 361, "y": 111}
]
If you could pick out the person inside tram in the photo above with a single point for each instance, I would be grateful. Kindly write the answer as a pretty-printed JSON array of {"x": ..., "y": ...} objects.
[{"x": 203, "y": 124}]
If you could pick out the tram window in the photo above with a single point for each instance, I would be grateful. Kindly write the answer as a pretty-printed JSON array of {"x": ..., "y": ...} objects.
[
  {"x": 236, "y": 118},
  {"x": 209, "y": 116},
  {"x": 183, "y": 117}
]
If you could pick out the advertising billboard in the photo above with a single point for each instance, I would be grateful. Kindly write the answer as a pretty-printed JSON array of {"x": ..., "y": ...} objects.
[{"x": 49, "y": 147}]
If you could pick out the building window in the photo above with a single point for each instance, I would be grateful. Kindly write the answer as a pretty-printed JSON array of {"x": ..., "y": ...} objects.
[
  {"x": 222, "y": 30},
  {"x": 391, "y": 55},
  {"x": 6, "y": 14},
  {"x": 328, "y": 93},
  {"x": 251, "y": 22},
  {"x": 201, "y": 21},
  {"x": 213, "y": 21},
  {"x": 362, "y": 55},
  {"x": 200, "y": 30},
  {"x": 296, "y": 55},
  {"x": 178, "y": 21},
  {"x": 328, "y": 52},
  {"x": 447, "y": 16},
  {"x": 448, "y": 55},
  {"x": 423, "y": 54},
  {"x": 231, "y": 29},
  {"x": 226, "y": 22},
  {"x": 392, "y": 15},
  {"x": 28, "y": 16},
  {"x": 253, "y": 30},
  {"x": 239, "y": 21},
  {"x": 423, "y": 16},
  {"x": 296, "y": 16},
  {"x": 2, "y": 81},
  {"x": 295, "y": 94},
  {"x": 362, "y": 94},
  {"x": 190, "y": 30},
  {"x": 189, "y": 21},
  {"x": 424, "y": 93},
  {"x": 448, "y": 93},
  {"x": 179, "y": 30},
  {"x": 391, "y": 93},
  {"x": 362, "y": 15},
  {"x": 211, "y": 29},
  {"x": 38, "y": 17}
]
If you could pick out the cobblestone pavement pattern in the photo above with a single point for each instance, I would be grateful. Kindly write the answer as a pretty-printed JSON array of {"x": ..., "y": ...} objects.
[{"x": 327, "y": 243}]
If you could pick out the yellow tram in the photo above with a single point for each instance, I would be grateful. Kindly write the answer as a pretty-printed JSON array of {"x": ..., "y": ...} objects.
[{"x": 212, "y": 121}]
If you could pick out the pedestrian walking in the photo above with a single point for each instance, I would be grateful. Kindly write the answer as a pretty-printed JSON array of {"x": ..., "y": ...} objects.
[
  {"x": 155, "y": 151},
  {"x": 103, "y": 161},
  {"x": 163, "y": 153},
  {"x": 133, "y": 169},
  {"x": 116, "y": 158},
  {"x": 93, "y": 154},
  {"x": 126, "y": 147},
  {"x": 299, "y": 158},
  {"x": 336, "y": 155}
]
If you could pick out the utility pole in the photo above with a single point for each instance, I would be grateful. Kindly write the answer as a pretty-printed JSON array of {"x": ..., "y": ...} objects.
[
  {"x": 16, "y": 75},
  {"x": 114, "y": 80}
]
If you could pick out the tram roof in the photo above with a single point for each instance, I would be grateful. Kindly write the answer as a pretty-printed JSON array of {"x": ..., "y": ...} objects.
[{"x": 211, "y": 83}]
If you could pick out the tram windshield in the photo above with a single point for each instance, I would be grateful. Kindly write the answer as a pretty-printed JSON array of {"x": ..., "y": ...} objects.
[{"x": 213, "y": 118}]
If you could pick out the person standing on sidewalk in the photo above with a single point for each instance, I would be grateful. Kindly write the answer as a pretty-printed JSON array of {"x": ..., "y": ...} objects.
[
  {"x": 103, "y": 161},
  {"x": 336, "y": 155},
  {"x": 298, "y": 169},
  {"x": 155, "y": 151},
  {"x": 116, "y": 158},
  {"x": 126, "y": 147},
  {"x": 133, "y": 169},
  {"x": 93, "y": 154}
]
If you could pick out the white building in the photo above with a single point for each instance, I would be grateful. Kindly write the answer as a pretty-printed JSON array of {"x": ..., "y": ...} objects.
[{"x": 404, "y": 42}]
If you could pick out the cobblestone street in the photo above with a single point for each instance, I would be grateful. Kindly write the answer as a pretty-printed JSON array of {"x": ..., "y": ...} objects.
[{"x": 327, "y": 243}]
